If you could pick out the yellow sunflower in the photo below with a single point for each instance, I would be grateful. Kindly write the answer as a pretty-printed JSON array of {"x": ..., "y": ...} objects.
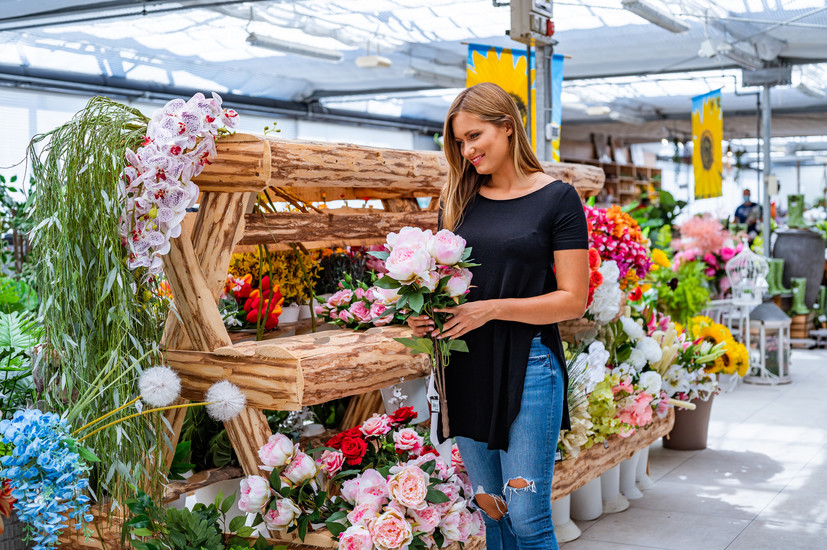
[
  {"x": 714, "y": 333},
  {"x": 741, "y": 359},
  {"x": 696, "y": 324}
]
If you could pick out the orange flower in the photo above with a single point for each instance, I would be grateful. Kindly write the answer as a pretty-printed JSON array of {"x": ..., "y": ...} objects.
[{"x": 594, "y": 259}]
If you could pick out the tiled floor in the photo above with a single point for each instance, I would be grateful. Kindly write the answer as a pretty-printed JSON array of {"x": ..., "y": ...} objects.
[{"x": 760, "y": 484}]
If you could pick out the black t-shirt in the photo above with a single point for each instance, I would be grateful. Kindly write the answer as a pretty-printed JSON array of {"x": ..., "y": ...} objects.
[{"x": 514, "y": 241}]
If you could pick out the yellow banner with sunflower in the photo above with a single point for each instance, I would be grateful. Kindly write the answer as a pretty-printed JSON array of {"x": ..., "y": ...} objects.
[
  {"x": 507, "y": 69},
  {"x": 707, "y": 133}
]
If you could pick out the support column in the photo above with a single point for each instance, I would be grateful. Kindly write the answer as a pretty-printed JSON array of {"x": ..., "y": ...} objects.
[{"x": 767, "y": 119}]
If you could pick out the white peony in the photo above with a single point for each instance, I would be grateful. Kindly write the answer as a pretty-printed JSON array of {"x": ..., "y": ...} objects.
[
  {"x": 651, "y": 349},
  {"x": 651, "y": 382},
  {"x": 632, "y": 328}
]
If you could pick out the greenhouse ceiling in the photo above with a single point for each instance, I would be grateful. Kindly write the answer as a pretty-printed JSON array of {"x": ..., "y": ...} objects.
[{"x": 307, "y": 57}]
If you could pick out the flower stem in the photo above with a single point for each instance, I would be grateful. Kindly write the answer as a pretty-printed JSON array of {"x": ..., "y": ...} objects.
[
  {"x": 118, "y": 421},
  {"x": 107, "y": 415}
]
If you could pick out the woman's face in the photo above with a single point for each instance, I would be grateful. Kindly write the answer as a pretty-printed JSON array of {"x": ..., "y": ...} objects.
[{"x": 484, "y": 144}]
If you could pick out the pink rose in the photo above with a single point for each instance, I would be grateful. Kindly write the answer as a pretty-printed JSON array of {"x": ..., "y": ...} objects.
[
  {"x": 331, "y": 462},
  {"x": 320, "y": 310},
  {"x": 459, "y": 284},
  {"x": 446, "y": 247},
  {"x": 409, "y": 264},
  {"x": 407, "y": 439},
  {"x": 301, "y": 468},
  {"x": 727, "y": 253},
  {"x": 359, "y": 293},
  {"x": 361, "y": 311},
  {"x": 356, "y": 537},
  {"x": 255, "y": 493},
  {"x": 391, "y": 531},
  {"x": 426, "y": 519},
  {"x": 456, "y": 459},
  {"x": 409, "y": 487},
  {"x": 376, "y": 310},
  {"x": 345, "y": 316},
  {"x": 709, "y": 271},
  {"x": 362, "y": 513},
  {"x": 377, "y": 425},
  {"x": 341, "y": 298},
  {"x": 282, "y": 516},
  {"x": 276, "y": 452},
  {"x": 409, "y": 237}
]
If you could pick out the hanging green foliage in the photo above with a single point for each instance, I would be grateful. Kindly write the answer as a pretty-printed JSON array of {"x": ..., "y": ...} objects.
[{"x": 101, "y": 324}]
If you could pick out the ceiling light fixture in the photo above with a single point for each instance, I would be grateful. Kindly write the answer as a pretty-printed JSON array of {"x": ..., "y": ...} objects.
[
  {"x": 654, "y": 15},
  {"x": 598, "y": 110},
  {"x": 372, "y": 62},
  {"x": 622, "y": 116},
  {"x": 296, "y": 49},
  {"x": 743, "y": 58},
  {"x": 439, "y": 79}
]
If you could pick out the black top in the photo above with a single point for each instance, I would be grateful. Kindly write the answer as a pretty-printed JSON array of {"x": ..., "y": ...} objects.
[{"x": 514, "y": 241}]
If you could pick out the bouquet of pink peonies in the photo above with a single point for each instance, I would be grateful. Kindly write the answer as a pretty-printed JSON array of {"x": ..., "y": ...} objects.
[
  {"x": 427, "y": 272},
  {"x": 356, "y": 305}
]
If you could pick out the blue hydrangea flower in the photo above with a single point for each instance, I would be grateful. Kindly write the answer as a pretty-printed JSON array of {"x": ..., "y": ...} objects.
[{"x": 49, "y": 478}]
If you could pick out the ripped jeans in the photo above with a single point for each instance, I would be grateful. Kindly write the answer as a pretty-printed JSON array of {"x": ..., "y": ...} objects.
[{"x": 530, "y": 457}]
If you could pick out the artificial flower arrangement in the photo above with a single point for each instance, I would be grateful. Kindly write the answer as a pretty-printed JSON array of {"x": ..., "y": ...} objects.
[
  {"x": 156, "y": 186},
  {"x": 6, "y": 501},
  {"x": 617, "y": 237},
  {"x": 679, "y": 289},
  {"x": 356, "y": 305},
  {"x": 355, "y": 261},
  {"x": 427, "y": 272},
  {"x": 242, "y": 305},
  {"x": 50, "y": 465},
  {"x": 704, "y": 239},
  {"x": 286, "y": 269},
  {"x": 595, "y": 277},
  {"x": 378, "y": 485},
  {"x": 607, "y": 297},
  {"x": 735, "y": 359}
]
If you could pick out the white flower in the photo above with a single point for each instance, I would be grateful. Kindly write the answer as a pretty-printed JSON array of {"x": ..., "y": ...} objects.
[
  {"x": 226, "y": 401},
  {"x": 625, "y": 370},
  {"x": 409, "y": 237},
  {"x": 632, "y": 328},
  {"x": 651, "y": 382},
  {"x": 651, "y": 349},
  {"x": 159, "y": 386},
  {"x": 606, "y": 302},
  {"x": 637, "y": 359}
]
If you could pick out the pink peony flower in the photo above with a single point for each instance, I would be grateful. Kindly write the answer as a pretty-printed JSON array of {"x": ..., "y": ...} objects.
[
  {"x": 360, "y": 311},
  {"x": 459, "y": 284},
  {"x": 407, "y": 439},
  {"x": 367, "y": 488},
  {"x": 427, "y": 519},
  {"x": 377, "y": 425},
  {"x": 385, "y": 295},
  {"x": 409, "y": 264},
  {"x": 276, "y": 452},
  {"x": 282, "y": 516},
  {"x": 255, "y": 494},
  {"x": 363, "y": 514},
  {"x": 409, "y": 237},
  {"x": 341, "y": 297},
  {"x": 391, "y": 531},
  {"x": 727, "y": 253},
  {"x": 451, "y": 525},
  {"x": 356, "y": 537},
  {"x": 446, "y": 247},
  {"x": 331, "y": 462},
  {"x": 300, "y": 469},
  {"x": 409, "y": 487}
]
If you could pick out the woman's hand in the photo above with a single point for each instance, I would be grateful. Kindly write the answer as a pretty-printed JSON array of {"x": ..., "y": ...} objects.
[
  {"x": 422, "y": 325},
  {"x": 464, "y": 318}
]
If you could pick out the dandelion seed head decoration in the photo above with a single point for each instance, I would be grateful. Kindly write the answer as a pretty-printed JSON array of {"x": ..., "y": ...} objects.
[
  {"x": 159, "y": 386},
  {"x": 226, "y": 401}
]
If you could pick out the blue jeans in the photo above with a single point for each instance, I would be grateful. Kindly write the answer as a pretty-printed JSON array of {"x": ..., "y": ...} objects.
[{"x": 532, "y": 442}]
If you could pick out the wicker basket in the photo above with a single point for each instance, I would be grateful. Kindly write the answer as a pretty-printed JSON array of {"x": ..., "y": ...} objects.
[{"x": 12, "y": 537}]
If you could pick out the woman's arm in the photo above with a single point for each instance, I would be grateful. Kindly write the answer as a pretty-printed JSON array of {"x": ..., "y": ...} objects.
[{"x": 567, "y": 302}]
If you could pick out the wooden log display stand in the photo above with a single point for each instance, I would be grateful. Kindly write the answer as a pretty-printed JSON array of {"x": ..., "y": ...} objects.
[{"x": 291, "y": 372}]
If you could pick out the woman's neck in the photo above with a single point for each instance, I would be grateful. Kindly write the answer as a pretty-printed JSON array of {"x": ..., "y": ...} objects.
[{"x": 506, "y": 180}]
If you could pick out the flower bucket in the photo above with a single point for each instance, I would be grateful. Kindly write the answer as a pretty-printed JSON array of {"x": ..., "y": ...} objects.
[
  {"x": 691, "y": 427},
  {"x": 12, "y": 537},
  {"x": 289, "y": 314}
]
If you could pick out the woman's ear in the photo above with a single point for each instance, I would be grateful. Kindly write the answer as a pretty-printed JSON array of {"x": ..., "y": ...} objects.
[{"x": 508, "y": 124}]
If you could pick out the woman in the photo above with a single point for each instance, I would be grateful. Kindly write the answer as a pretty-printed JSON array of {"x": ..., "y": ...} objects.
[{"x": 506, "y": 396}]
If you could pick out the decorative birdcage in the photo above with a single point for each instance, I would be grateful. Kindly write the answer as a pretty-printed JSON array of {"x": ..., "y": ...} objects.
[{"x": 747, "y": 272}]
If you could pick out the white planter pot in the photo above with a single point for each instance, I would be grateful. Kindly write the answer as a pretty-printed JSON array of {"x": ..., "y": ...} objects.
[
  {"x": 644, "y": 482},
  {"x": 613, "y": 501},
  {"x": 564, "y": 527},
  {"x": 587, "y": 502},
  {"x": 304, "y": 311},
  {"x": 289, "y": 314},
  {"x": 628, "y": 475}
]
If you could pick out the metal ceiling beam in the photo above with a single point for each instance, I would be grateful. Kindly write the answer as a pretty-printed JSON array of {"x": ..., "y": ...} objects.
[{"x": 15, "y": 76}]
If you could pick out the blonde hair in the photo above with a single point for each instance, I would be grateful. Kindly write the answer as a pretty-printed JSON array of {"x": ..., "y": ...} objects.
[{"x": 492, "y": 104}]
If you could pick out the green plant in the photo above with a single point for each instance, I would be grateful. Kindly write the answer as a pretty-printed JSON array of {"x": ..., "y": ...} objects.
[
  {"x": 684, "y": 293},
  {"x": 662, "y": 212},
  {"x": 202, "y": 528},
  {"x": 16, "y": 295},
  {"x": 16, "y": 204},
  {"x": 19, "y": 332},
  {"x": 101, "y": 324}
]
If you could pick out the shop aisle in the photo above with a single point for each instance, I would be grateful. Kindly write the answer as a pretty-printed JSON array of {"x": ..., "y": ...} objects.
[{"x": 760, "y": 484}]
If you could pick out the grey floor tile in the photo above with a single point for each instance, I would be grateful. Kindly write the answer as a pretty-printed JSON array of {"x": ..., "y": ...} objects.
[{"x": 774, "y": 535}]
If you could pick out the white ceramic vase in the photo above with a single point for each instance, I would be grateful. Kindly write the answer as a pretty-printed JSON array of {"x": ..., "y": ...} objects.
[
  {"x": 564, "y": 527},
  {"x": 587, "y": 501},
  {"x": 628, "y": 477},
  {"x": 289, "y": 314},
  {"x": 644, "y": 482},
  {"x": 613, "y": 501},
  {"x": 304, "y": 311}
]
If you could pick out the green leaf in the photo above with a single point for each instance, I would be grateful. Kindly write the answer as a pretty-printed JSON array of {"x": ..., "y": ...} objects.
[
  {"x": 87, "y": 455},
  {"x": 236, "y": 523},
  {"x": 457, "y": 345},
  {"x": 275, "y": 480},
  {"x": 428, "y": 467},
  {"x": 388, "y": 282},
  {"x": 245, "y": 531},
  {"x": 142, "y": 532},
  {"x": 417, "y": 301},
  {"x": 341, "y": 514},
  {"x": 335, "y": 528},
  {"x": 18, "y": 332},
  {"x": 381, "y": 254},
  {"x": 303, "y": 521},
  {"x": 227, "y": 504},
  {"x": 436, "y": 496}
]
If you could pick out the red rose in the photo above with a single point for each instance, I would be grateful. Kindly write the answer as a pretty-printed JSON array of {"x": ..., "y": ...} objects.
[
  {"x": 403, "y": 415},
  {"x": 594, "y": 259},
  {"x": 635, "y": 295},
  {"x": 336, "y": 441},
  {"x": 595, "y": 279},
  {"x": 355, "y": 431},
  {"x": 354, "y": 449}
]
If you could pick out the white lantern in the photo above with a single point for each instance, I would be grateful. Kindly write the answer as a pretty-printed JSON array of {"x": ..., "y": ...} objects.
[
  {"x": 772, "y": 353},
  {"x": 747, "y": 272}
]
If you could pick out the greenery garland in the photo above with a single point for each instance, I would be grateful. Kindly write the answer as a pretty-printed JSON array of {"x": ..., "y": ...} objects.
[{"x": 101, "y": 324}]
